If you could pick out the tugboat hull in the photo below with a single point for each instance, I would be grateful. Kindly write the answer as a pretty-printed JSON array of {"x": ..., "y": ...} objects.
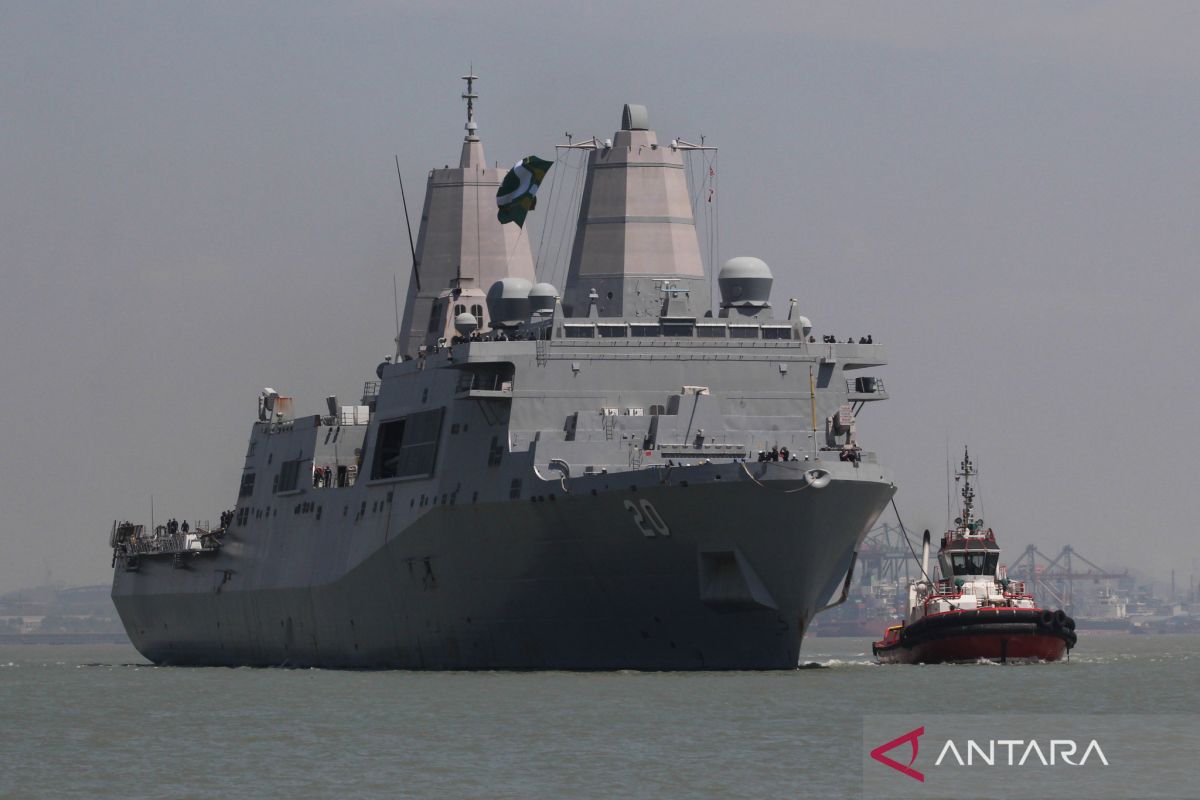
[{"x": 989, "y": 635}]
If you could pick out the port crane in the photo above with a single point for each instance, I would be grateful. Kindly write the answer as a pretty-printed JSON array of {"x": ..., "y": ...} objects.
[{"x": 1054, "y": 578}]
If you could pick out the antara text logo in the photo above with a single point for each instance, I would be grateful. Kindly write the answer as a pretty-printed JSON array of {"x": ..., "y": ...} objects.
[{"x": 990, "y": 752}]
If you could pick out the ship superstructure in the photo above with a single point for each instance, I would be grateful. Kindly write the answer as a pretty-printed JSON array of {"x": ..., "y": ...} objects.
[
  {"x": 461, "y": 249},
  {"x": 610, "y": 476}
]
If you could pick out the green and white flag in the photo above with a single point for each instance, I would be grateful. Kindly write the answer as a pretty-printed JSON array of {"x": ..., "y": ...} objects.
[{"x": 517, "y": 195}]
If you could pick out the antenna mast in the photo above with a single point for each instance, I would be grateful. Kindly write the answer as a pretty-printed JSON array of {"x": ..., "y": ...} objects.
[
  {"x": 968, "y": 493},
  {"x": 471, "y": 97}
]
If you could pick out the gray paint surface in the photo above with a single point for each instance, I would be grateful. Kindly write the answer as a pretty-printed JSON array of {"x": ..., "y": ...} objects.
[{"x": 590, "y": 505}]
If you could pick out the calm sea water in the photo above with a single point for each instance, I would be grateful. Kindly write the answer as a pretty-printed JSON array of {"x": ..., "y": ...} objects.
[{"x": 98, "y": 722}]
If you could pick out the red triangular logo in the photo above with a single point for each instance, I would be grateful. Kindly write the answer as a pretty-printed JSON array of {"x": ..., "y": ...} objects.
[{"x": 910, "y": 737}]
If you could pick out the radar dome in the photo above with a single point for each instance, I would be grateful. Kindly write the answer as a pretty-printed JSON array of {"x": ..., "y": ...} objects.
[
  {"x": 542, "y": 297},
  {"x": 745, "y": 281},
  {"x": 805, "y": 325},
  {"x": 465, "y": 323},
  {"x": 508, "y": 302}
]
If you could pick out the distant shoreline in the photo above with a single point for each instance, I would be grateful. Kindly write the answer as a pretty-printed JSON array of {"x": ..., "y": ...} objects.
[{"x": 64, "y": 638}]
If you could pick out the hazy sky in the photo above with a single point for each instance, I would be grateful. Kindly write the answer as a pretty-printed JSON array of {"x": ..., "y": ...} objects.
[{"x": 200, "y": 200}]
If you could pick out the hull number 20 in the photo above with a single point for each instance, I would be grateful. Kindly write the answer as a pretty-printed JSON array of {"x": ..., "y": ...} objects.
[{"x": 647, "y": 519}]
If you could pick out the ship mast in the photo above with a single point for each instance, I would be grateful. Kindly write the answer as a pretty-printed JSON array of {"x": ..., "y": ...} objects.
[
  {"x": 470, "y": 96},
  {"x": 461, "y": 248},
  {"x": 965, "y": 471}
]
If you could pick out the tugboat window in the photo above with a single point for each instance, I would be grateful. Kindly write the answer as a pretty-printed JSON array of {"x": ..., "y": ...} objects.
[{"x": 974, "y": 563}]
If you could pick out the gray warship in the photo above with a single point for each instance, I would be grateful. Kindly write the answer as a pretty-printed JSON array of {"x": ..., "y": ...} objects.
[{"x": 614, "y": 476}]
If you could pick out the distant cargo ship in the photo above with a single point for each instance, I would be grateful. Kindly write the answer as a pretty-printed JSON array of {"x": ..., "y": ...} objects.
[{"x": 1109, "y": 613}]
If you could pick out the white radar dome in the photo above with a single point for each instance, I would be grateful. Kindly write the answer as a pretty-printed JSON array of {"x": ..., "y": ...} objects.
[
  {"x": 745, "y": 281},
  {"x": 465, "y": 323},
  {"x": 508, "y": 302},
  {"x": 542, "y": 297}
]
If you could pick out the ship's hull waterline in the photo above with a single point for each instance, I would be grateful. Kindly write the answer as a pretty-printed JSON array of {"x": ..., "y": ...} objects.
[
  {"x": 987, "y": 634},
  {"x": 967, "y": 648},
  {"x": 567, "y": 581}
]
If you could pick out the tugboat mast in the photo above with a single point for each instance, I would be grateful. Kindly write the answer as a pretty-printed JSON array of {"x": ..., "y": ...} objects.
[{"x": 966, "y": 470}]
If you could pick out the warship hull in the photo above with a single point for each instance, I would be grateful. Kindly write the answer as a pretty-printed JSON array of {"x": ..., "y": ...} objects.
[
  {"x": 616, "y": 475},
  {"x": 562, "y": 580}
]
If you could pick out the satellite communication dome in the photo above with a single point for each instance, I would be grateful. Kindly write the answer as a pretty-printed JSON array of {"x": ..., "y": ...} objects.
[
  {"x": 465, "y": 323},
  {"x": 745, "y": 281},
  {"x": 508, "y": 302},
  {"x": 542, "y": 297},
  {"x": 806, "y": 325}
]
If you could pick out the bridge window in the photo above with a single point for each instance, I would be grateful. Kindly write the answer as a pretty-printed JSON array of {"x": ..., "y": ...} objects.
[
  {"x": 644, "y": 329},
  {"x": 247, "y": 487},
  {"x": 579, "y": 331},
  {"x": 612, "y": 331},
  {"x": 981, "y": 563},
  {"x": 743, "y": 331},
  {"x": 677, "y": 329},
  {"x": 710, "y": 331},
  {"x": 777, "y": 332}
]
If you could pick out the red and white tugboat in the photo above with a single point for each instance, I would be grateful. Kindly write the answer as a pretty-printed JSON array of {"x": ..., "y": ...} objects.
[{"x": 973, "y": 611}]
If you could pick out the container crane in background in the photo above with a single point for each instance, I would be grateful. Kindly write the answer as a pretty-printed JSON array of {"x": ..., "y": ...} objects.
[{"x": 1054, "y": 578}]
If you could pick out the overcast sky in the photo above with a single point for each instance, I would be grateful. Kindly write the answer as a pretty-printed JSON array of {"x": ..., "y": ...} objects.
[{"x": 200, "y": 200}]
